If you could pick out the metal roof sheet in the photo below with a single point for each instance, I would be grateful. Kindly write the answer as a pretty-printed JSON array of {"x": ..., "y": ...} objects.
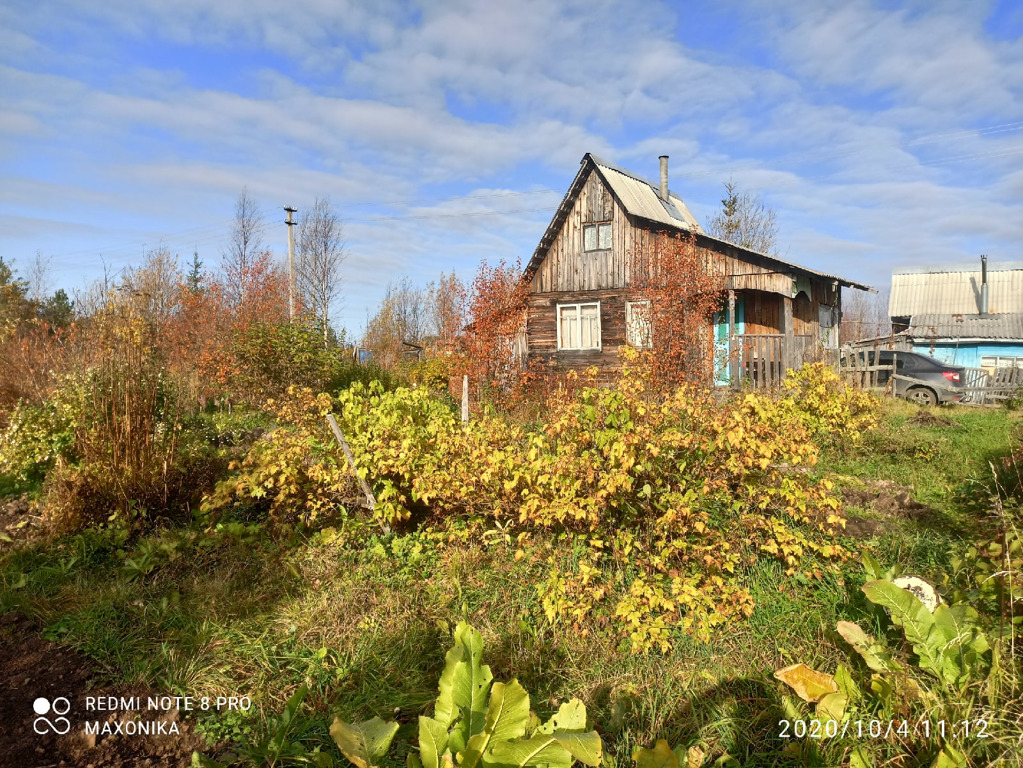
[
  {"x": 1008, "y": 326},
  {"x": 955, "y": 291},
  {"x": 641, "y": 197}
]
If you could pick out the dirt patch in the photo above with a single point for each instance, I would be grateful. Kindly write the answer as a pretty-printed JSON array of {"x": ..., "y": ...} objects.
[
  {"x": 32, "y": 668},
  {"x": 20, "y": 519},
  {"x": 888, "y": 501},
  {"x": 930, "y": 419}
]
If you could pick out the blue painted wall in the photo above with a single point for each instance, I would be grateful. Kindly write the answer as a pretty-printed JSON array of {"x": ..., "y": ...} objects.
[
  {"x": 969, "y": 354},
  {"x": 722, "y": 374}
]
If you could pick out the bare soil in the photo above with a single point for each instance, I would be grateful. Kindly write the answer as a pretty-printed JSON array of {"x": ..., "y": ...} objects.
[
  {"x": 927, "y": 418},
  {"x": 20, "y": 519},
  {"x": 32, "y": 667},
  {"x": 888, "y": 501}
]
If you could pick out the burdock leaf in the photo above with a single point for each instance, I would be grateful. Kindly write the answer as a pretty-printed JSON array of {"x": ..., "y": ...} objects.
[
  {"x": 876, "y": 655},
  {"x": 660, "y": 756},
  {"x": 506, "y": 720},
  {"x": 808, "y": 684},
  {"x": 364, "y": 744},
  {"x": 433, "y": 741},
  {"x": 470, "y": 684},
  {"x": 539, "y": 750}
]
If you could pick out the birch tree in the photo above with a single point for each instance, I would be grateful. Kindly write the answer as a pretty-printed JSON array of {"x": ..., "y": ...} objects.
[
  {"x": 245, "y": 246},
  {"x": 745, "y": 221},
  {"x": 321, "y": 254}
]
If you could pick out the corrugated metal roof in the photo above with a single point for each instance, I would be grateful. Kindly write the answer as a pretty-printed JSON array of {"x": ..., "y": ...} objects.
[
  {"x": 1008, "y": 326},
  {"x": 955, "y": 291},
  {"x": 641, "y": 198}
]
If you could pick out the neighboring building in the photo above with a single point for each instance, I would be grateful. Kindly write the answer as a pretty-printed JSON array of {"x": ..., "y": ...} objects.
[
  {"x": 582, "y": 298},
  {"x": 970, "y": 315}
]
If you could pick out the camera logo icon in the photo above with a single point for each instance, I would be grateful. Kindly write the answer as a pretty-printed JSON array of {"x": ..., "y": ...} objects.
[{"x": 59, "y": 706}]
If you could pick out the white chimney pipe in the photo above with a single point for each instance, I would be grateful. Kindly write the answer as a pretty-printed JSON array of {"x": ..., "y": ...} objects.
[{"x": 664, "y": 177}]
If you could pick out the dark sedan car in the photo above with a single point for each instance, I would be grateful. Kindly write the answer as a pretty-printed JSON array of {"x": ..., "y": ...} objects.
[{"x": 921, "y": 379}]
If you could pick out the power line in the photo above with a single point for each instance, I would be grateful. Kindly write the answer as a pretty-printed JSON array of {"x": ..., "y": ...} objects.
[
  {"x": 211, "y": 232},
  {"x": 955, "y": 135}
]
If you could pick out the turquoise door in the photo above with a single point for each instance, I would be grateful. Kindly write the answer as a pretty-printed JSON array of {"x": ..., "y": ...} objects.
[{"x": 722, "y": 375}]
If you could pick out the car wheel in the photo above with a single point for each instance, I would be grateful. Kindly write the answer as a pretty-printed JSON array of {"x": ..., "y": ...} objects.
[{"x": 921, "y": 396}]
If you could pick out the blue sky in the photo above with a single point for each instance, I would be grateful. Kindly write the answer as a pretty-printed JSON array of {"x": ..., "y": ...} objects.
[{"x": 884, "y": 134}]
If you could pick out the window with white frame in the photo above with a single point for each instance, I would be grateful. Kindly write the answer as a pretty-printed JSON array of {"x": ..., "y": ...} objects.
[
  {"x": 596, "y": 237},
  {"x": 637, "y": 324},
  {"x": 579, "y": 326},
  {"x": 1001, "y": 361}
]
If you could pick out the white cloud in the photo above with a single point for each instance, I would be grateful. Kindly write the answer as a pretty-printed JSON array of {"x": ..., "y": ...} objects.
[{"x": 847, "y": 117}]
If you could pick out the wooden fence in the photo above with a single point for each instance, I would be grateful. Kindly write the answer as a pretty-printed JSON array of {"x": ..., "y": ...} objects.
[
  {"x": 985, "y": 388},
  {"x": 980, "y": 387},
  {"x": 858, "y": 371},
  {"x": 763, "y": 358}
]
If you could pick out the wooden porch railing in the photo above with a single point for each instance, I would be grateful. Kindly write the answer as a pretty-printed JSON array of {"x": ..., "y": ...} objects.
[{"x": 763, "y": 358}]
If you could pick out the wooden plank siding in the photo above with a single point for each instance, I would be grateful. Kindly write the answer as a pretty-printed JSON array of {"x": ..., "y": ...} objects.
[
  {"x": 542, "y": 328},
  {"x": 568, "y": 274}
]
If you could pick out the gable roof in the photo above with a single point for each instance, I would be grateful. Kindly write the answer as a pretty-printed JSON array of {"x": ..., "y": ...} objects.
[
  {"x": 955, "y": 289},
  {"x": 964, "y": 327},
  {"x": 641, "y": 198}
]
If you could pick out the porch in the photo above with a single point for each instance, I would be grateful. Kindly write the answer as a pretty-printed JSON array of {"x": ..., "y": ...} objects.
[
  {"x": 759, "y": 335},
  {"x": 760, "y": 360}
]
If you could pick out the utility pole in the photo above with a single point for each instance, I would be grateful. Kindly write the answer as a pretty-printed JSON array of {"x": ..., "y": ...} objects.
[{"x": 291, "y": 261}]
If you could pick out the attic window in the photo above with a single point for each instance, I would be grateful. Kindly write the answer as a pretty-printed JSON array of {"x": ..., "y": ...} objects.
[{"x": 597, "y": 237}]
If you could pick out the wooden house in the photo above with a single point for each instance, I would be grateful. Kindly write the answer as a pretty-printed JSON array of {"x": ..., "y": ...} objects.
[{"x": 583, "y": 304}]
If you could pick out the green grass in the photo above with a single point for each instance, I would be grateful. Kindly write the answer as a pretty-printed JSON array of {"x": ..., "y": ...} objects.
[
  {"x": 947, "y": 467},
  {"x": 365, "y": 621}
]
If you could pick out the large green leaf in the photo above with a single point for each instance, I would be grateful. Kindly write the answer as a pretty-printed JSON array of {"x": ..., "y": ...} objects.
[
  {"x": 570, "y": 717},
  {"x": 872, "y": 567},
  {"x": 506, "y": 720},
  {"x": 445, "y": 710},
  {"x": 199, "y": 760},
  {"x": 949, "y": 757},
  {"x": 433, "y": 742},
  {"x": 568, "y": 727},
  {"x": 364, "y": 744},
  {"x": 586, "y": 747},
  {"x": 538, "y": 750},
  {"x": 860, "y": 757},
  {"x": 907, "y": 612},
  {"x": 468, "y": 686}
]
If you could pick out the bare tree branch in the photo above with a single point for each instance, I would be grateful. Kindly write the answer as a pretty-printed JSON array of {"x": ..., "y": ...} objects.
[
  {"x": 321, "y": 253},
  {"x": 745, "y": 221},
  {"x": 246, "y": 243}
]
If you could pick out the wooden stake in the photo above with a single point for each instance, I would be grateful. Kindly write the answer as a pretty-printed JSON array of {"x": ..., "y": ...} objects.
[{"x": 371, "y": 502}]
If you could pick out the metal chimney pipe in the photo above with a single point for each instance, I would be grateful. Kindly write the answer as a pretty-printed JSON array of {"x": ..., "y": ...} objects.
[
  {"x": 664, "y": 177},
  {"x": 983, "y": 285}
]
